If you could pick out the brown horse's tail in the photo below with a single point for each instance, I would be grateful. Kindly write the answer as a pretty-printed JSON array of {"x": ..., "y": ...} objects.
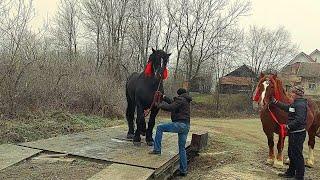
[
  {"x": 313, "y": 116},
  {"x": 317, "y": 124},
  {"x": 314, "y": 106}
]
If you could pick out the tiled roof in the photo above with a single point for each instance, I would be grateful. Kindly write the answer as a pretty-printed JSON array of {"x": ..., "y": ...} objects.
[
  {"x": 303, "y": 54},
  {"x": 233, "y": 80}
]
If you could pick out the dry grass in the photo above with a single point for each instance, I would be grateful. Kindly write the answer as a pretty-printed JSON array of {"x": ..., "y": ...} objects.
[{"x": 49, "y": 125}]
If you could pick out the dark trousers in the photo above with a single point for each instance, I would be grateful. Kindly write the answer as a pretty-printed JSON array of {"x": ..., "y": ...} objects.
[{"x": 295, "y": 152}]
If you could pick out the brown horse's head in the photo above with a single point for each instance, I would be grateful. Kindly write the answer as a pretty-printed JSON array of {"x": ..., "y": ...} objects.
[{"x": 268, "y": 86}]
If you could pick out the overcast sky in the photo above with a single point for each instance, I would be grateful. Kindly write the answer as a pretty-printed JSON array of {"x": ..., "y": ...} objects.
[{"x": 300, "y": 17}]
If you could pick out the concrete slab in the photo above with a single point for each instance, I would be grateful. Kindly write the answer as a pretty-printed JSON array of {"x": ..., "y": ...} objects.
[
  {"x": 123, "y": 172},
  {"x": 12, "y": 154},
  {"x": 105, "y": 144}
]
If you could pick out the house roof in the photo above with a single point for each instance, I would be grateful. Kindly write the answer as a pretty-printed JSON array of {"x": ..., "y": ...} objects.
[
  {"x": 309, "y": 70},
  {"x": 309, "y": 59},
  {"x": 233, "y": 80},
  {"x": 242, "y": 71},
  {"x": 314, "y": 52}
]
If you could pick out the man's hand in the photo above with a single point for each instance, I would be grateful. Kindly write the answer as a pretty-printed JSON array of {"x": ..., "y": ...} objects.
[{"x": 157, "y": 105}]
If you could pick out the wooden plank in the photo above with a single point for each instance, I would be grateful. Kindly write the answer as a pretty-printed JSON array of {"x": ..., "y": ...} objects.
[
  {"x": 123, "y": 172},
  {"x": 103, "y": 145},
  {"x": 12, "y": 154}
]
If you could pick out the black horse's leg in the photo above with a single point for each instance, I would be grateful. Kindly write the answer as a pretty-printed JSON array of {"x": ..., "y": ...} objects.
[
  {"x": 140, "y": 118},
  {"x": 130, "y": 117},
  {"x": 152, "y": 119},
  {"x": 143, "y": 127}
]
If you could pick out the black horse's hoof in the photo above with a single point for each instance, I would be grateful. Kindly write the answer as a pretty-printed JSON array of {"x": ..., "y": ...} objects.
[
  {"x": 138, "y": 144},
  {"x": 150, "y": 143},
  {"x": 130, "y": 136}
]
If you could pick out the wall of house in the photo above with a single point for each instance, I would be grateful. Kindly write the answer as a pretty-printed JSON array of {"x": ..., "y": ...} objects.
[
  {"x": 233, "y": 89},
  {"x": 311, "y": 86},
  {"x": 290, "y": 69}
]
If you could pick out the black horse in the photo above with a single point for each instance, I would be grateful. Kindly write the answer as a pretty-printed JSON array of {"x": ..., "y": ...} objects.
[{"x": 140, "y": 90}]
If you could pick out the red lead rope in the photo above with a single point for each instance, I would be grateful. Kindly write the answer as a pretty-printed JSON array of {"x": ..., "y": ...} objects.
[
  {"x": 282, "y": 130},
  {"x": 156, "y": 99}
]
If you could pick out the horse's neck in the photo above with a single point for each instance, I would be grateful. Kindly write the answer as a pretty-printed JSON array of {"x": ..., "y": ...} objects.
[
  {"x": 285, "y": 98},
  {"x": 152, "y": 81}
]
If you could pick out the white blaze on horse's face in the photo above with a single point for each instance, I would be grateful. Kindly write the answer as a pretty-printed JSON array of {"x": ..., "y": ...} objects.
[{"x": 265, "y": 85}]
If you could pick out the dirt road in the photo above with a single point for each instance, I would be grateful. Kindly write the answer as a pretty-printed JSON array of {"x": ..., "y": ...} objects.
[{"x": 238, "y": 149}]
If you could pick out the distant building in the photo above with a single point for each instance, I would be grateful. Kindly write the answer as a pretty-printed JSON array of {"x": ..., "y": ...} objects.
[
  {"x": 238, "y": 81},
  {"x": 304, "y": 70},
  {"x": 201, "y": 84}
]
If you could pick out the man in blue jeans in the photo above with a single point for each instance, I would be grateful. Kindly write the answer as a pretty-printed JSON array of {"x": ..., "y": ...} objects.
[{"x": 180, "y": 116}]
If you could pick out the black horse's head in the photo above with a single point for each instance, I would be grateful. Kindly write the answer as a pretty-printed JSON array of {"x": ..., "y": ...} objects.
[{"x": 157, "y": 64}]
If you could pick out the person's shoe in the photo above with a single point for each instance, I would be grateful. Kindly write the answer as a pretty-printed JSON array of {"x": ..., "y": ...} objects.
[
  {"x": 286, "y": 175},
  {"x": 182, "y": 173},
  {"x": 153, "y": 152},
  {"x": 299, "y": 178}
]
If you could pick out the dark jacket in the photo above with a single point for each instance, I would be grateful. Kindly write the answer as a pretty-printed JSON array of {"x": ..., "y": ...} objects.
[
  {"x": 297, "y": 117},
  {"x": 179, "y": 107}
]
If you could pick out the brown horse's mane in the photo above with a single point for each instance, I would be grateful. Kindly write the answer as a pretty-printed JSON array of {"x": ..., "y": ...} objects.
[{"x": 279, "y": 87}]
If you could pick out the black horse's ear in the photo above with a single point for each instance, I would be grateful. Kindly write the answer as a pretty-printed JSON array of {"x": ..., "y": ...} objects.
[
  {"x": 153, "y": 50},
  {"x": 169, "y": 54}
]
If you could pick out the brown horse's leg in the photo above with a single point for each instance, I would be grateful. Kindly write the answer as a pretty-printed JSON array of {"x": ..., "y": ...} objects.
[
  {"x": 270, "y": 159},
  {"x": 311, "y": 143},
  {"x": 279, "y": 160}
]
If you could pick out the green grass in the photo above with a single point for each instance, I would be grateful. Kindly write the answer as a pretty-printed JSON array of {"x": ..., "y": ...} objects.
[
  {"x": 230, "y": 105},
  {"x": 203, "y": 98}
]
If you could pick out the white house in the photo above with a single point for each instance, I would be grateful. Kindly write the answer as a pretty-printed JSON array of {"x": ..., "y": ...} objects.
[{"x": 315, "y": 55}]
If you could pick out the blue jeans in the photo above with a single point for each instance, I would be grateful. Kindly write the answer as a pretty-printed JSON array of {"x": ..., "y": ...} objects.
[{"x": 175, "y": 127}]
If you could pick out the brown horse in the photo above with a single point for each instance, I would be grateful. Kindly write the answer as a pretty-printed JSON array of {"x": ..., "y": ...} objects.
[{"x": 271, "y": 85}]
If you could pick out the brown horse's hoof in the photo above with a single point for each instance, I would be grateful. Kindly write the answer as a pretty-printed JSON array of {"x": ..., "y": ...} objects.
[
  {"x": 138, "y": 144},
  {"x": 309, "y": 163},
  {"x": 278, "y": 164},
  {"x": 270, "y": 161},
  {"x": 149, "y": 143}
]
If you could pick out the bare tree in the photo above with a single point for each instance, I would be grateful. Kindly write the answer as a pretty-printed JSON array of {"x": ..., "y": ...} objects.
[
  {"x": 17, "y": 48},
  {"x": 66, "y": 27},
  {"x": 94, "y": 18},
  {"x": 145, "y": 18},
  {"x": 268, "y": 49},
  {"x": 198, "y": 23}
]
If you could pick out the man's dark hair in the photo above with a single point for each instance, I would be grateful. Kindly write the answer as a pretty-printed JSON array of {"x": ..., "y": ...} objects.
[{"x": 181, "y": 91}]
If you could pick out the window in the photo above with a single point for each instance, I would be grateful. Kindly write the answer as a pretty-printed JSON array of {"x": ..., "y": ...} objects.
[{"x": 312, "y": 86}]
